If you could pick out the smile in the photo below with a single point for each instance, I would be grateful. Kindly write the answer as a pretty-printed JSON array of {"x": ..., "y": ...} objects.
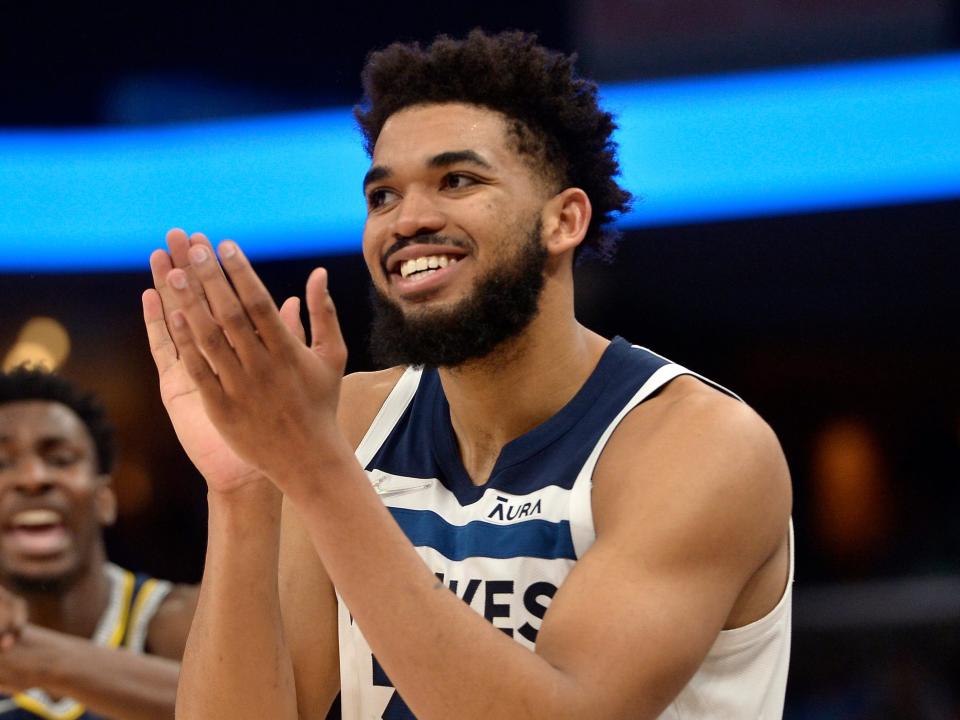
[{"x": 425, "y": 265}]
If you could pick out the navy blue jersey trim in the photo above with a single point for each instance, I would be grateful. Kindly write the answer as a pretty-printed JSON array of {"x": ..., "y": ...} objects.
[
  {"x": 422, "y": 443},
  {"x": 528, "y": 538}
]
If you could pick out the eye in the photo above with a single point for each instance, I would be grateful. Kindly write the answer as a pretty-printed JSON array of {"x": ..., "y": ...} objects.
[
  {"x": 62, "y": 458},
  {"x": 458, "y": 181},
  {"x": 378, "y": 197}
]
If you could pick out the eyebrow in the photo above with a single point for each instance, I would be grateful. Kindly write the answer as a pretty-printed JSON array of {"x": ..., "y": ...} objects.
[
  {"x": 377, "y": 172},
  {"x": 455, "y": 157},
  {"x": 444, "y": 159}
]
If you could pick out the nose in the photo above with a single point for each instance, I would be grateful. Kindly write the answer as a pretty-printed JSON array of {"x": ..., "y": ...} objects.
[
  {"x": 417, "y": 214},
  {"x": 30, "y": 476}
]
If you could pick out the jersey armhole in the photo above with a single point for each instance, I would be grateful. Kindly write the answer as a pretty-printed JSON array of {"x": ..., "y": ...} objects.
[{"x": 388, "y": 415}]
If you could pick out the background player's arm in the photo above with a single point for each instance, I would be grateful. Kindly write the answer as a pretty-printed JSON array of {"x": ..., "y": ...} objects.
[{"x": 111, "y": 682}]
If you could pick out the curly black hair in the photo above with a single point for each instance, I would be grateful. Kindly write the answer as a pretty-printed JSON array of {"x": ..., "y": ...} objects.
[
  {"x": 554, "y": 114},
  {"x": 27, "y": 383}
]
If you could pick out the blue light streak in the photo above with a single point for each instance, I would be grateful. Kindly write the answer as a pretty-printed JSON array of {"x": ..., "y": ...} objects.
[{"x": 692, "y": 150}]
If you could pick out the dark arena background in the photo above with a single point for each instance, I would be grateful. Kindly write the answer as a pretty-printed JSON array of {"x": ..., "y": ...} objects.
[{"x": 795, "y": 237}]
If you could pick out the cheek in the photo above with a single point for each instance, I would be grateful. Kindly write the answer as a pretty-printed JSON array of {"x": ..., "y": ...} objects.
[{"x": 371, "y": 252}]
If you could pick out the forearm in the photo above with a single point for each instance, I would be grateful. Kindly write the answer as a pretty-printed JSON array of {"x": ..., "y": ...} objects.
[
  {"x": 236, "y": 664},
  {"x": 112, "y": 683},
  {"x": 444, "y": 658}
]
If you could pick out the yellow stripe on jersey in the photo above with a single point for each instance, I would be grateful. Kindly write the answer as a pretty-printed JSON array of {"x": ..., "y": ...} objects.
[
  {"x": 146, "y": 592},
  {"x": 31, "y": 704},
  {"x": 121, "y": 628}
]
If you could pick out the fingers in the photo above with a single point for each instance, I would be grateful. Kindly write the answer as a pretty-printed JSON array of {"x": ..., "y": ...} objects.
[
  {"x": 256, "y": 301},
  {"x": 162, "y": 262},
  {"x": 224, "y": 304},
  {"x": 188, "y": 324},
  {"x": 290, "y": 314},
  {"x": 195, "y": 331},
  {"x": 325, "y": 335},
  {"x": 162, "y": 349},
  {"x": 228, "y": 322}
]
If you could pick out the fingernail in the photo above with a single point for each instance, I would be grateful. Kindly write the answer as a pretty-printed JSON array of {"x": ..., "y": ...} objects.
[
  {"x": 179, "y": 281},
  {"x": 198, "y": 254},
  {"x": 228, "y": 249}
]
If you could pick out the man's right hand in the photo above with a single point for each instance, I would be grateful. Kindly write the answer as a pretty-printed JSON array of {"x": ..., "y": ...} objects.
[{"x": 223, "y": 470}]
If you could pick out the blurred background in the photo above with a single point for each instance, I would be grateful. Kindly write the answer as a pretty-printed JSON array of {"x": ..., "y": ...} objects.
[{"x": 797, "y": 167}]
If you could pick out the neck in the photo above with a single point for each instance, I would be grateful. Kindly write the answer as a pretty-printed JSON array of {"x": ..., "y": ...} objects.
[
  {"x": 519, "y": 386},
  {"x": 78, "y": 609}
]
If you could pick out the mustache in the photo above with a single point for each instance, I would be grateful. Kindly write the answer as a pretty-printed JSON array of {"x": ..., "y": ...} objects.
[{"x": 421, "y": 239}]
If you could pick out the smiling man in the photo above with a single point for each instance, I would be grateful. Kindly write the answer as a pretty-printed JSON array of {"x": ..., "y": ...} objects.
[
  {"x": 519, "y": 518},
  {"x": 74, "y": 627}
]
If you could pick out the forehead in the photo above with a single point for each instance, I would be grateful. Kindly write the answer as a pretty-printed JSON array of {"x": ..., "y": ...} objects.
[
  {"x": 420, "y": 132},
  {"x": 41, "y": 419}
]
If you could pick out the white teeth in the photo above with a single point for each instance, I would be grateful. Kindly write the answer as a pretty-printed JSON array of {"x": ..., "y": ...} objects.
[
  {"x": 33, "y": 518},
  {"x": 427, "y": 262}
]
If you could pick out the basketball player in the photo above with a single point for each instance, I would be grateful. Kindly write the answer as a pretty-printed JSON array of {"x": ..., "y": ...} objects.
[
  {"x": 520, "y": 518},
  {"x": 73, "y": 626}
]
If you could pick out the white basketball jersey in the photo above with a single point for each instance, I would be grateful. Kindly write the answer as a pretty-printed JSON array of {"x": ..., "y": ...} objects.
[{"x": 506, "y": 547}]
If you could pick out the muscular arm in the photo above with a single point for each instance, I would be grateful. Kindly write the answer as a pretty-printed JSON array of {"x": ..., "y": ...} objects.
[{"x": 112, "y": 682}]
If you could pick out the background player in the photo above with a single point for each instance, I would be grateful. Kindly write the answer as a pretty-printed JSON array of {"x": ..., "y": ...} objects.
[{"x": 73, "y": 626}]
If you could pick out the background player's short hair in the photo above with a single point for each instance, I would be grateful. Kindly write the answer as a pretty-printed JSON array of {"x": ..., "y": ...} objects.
[
  {"x": 25, "y": 383},
  {"x": 554, "y": 114}
]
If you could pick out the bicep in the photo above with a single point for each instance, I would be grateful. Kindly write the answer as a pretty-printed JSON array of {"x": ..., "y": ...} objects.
[{"x": 309, "y": 610}]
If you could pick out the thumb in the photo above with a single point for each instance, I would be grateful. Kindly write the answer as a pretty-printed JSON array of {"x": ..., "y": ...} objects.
[
  {"x": 290, "y": 314},
  {"x": 325, "y": 335}
]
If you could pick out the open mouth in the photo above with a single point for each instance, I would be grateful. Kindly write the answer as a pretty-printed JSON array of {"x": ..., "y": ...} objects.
[{"x": 37, "y": 532}]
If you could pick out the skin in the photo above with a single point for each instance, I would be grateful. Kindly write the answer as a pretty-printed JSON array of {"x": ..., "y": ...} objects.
[
  {"x": 48, "y": 460},
  {"x": 691, "y": 495}
]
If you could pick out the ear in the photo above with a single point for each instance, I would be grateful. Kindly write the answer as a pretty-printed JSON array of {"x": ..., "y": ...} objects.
[
  {"x": 105, "y": 502},
  {"x": 565, "y": 218}
]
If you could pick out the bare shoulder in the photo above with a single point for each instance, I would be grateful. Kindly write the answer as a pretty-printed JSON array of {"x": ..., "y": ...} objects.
[
  {"x": 695, "y": 457},
  {"x": 362, "y": 395},
  {"x": 167, "y": 634}
]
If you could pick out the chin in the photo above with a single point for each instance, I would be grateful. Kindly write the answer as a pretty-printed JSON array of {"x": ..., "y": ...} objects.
[{"x": 47, "y": 578}]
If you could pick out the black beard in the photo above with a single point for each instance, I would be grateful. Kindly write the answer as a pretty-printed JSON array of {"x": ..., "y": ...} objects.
[{"x": 500, "y": 306}]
